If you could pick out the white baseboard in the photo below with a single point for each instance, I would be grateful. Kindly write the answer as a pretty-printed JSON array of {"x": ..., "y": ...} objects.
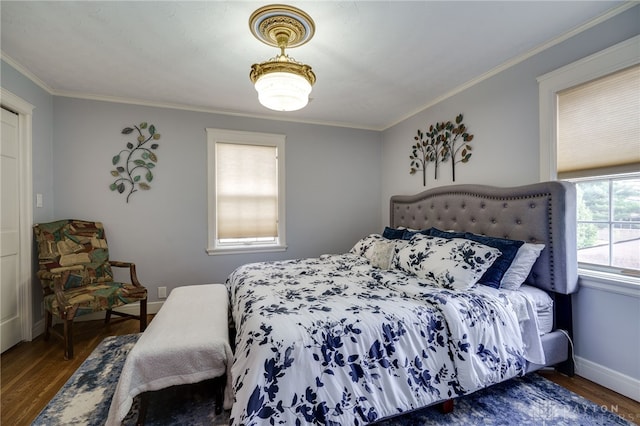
[
  {"x": 604, "y": 376},
  {"x": 134, "y": 309},
  {"x": 38, "y": 328}
]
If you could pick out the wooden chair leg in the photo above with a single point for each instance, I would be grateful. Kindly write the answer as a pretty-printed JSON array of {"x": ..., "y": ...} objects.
[
  {"x": 68, "y": 339},
  {"x": 107, "y": 317},
  {"x": 48, "y": 321},
  {"x": 143, "y": 315}
]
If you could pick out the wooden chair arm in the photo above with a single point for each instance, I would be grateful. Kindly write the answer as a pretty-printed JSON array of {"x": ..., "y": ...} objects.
[
  {"x": 64, "y": 305},
  {"x": 132, "y": 270}
]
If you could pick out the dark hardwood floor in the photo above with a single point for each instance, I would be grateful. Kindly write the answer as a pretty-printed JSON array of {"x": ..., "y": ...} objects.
[
  {"x": 607, "y": 399},
  {"x": 32, "y": 373}
]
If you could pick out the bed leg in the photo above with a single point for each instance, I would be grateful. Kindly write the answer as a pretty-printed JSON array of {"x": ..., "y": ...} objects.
[
  {"x": 566, "y": 367},
  {"x": 446, "y": 406},
  {"x": 564, "y": 321}
]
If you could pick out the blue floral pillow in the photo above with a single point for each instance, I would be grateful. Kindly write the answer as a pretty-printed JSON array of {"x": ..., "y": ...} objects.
[
  {"x": 455, "y": 263},
  {"x": 508, "y": 248},
  {"x": 366, "y": 244},
  {"x": 377, "y": 250}
]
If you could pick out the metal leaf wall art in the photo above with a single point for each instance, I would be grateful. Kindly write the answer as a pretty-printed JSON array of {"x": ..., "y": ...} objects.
[
  {"x": 442, "y": 142},
  {"x": 134, "y": 165}
]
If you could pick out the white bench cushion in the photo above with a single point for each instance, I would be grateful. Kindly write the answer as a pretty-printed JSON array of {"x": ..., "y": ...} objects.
[{"x": 187, "y": 342}]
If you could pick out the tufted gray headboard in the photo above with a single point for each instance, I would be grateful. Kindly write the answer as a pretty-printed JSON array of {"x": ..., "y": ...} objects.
[{"x": 538, "y": 213}]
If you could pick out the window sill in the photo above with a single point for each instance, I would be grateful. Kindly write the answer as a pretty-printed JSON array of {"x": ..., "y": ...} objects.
[
  {"x": 245, "y": 250},
  {"x": 612, "y": 283}
]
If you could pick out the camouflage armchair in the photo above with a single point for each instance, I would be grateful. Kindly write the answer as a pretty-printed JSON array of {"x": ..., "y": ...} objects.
[{"x": 77, "y": 279}]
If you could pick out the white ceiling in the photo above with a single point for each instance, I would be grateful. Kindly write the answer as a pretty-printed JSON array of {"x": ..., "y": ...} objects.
[{"x": 377, "y": 63}]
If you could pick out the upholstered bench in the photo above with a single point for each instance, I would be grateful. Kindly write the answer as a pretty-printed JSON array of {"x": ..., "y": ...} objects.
[{"x": 187, "y": 342}]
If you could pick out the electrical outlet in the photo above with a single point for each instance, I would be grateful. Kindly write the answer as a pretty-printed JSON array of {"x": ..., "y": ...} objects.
[{"x": 162, "y": 292}]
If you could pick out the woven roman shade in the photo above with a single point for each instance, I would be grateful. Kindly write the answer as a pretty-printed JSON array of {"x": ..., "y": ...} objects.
[
  {"x": 247, "y": 191},
  {"x": 599, "y": 126}
]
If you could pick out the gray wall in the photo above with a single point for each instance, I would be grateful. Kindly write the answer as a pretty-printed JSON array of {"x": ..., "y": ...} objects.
[
  {"x": 332, "y": 188},
  {"x": 332, "y": 184},
  {"x": 42, "y": 134},
  {"x": 502, "y": 114}
]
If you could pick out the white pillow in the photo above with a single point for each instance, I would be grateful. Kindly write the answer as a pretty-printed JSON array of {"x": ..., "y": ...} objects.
[
  {"x": 454, "y": 263},
  {"x": 380, "y": 253},
  {"x": 519, "y": 270}
]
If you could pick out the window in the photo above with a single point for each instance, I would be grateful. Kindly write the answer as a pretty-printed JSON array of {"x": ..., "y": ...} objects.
[
  {"x": 590, "y": 135},
  {"x": 609, "y": 223},
  {"x": 246, "y": 192}
]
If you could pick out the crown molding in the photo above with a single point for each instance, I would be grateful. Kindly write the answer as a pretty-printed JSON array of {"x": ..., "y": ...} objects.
[
  {"x": 192, "y": 108},
  {"x": 26, "y": 72},
  {"x": 183, "y": 107}
]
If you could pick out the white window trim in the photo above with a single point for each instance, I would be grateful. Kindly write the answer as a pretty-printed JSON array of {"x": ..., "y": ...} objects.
[
  {"x": 608, "y": 61},
  {"x": 247, "y": 138},
  {"x": 615, "y": 58},
  {"x": 609, "y": 282}
]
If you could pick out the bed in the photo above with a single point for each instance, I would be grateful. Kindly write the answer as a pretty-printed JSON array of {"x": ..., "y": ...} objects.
[{"x": 391, "y": 326}]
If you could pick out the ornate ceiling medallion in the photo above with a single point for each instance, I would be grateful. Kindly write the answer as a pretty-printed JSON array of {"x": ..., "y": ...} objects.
[
  {"x": 283, "y": 84},
  {"x": 268, "y": 22}
]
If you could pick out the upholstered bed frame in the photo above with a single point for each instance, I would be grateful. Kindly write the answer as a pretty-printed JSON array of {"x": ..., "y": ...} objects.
[{"x": 538, "y": 213}]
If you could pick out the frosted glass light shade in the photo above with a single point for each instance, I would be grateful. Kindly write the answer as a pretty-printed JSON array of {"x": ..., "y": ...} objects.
[{"x": 283, "y": 91}]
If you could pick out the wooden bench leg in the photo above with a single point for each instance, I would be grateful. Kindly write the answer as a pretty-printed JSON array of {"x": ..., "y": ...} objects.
[
  {"x": 218, "y": 394},
  {"x": 142, "y": 411},
  {"x": 143, "y": 315}
]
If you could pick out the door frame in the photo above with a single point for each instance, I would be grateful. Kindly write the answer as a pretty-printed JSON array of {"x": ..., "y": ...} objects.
[{"x": 25, "y": 194}]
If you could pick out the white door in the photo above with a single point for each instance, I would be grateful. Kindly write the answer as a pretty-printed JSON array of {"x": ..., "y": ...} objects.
[{"x": 10, "y": 320}]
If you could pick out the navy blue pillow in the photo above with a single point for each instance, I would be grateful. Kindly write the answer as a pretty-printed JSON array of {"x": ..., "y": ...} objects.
[
  {"x": 435, "y": 232},
  {"x": 408, "y": 234},
  {"x": 509, "y": 248},
  {"x": 393, "y": 233}
]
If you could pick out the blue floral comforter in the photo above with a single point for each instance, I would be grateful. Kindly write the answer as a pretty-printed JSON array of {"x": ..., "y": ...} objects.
[{"x": 333, "y": 340}]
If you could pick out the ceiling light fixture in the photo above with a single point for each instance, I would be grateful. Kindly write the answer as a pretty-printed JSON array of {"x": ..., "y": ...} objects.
[{"x": 283, "y": 84}]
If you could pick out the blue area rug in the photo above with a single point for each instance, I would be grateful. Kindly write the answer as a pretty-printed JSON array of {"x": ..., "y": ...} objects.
[{"x": 530, "y": 400}]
